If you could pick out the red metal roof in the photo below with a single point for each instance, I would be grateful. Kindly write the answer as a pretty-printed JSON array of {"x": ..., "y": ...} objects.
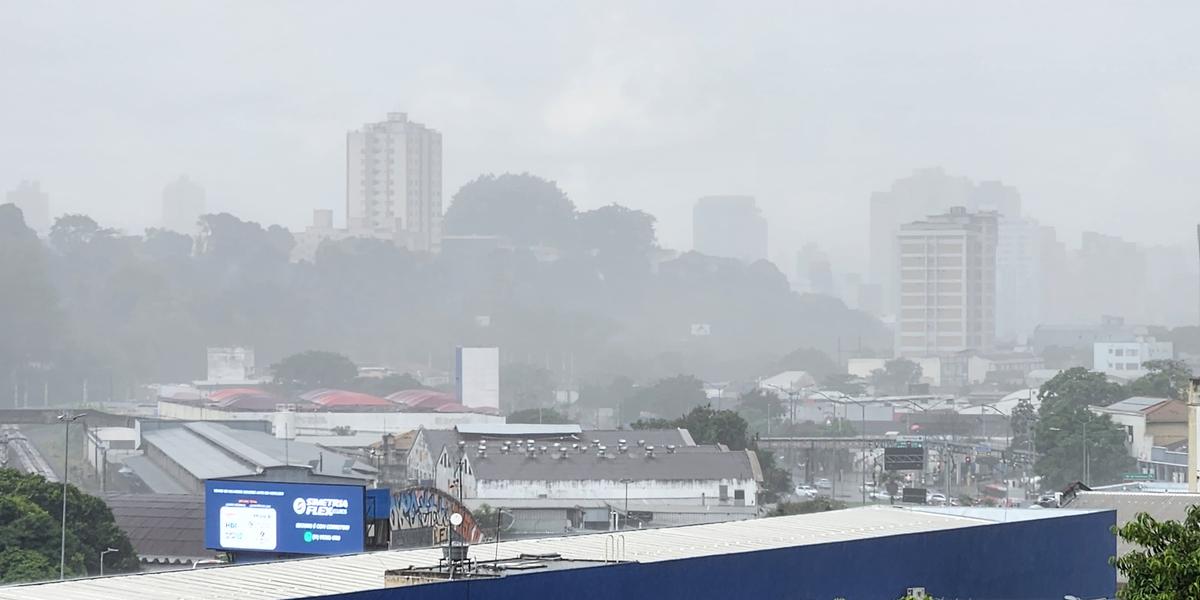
[{"x": 331, "y": 398}]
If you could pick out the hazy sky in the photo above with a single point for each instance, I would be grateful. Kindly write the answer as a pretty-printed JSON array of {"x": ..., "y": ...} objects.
[{"x": 1091, "y": 109}]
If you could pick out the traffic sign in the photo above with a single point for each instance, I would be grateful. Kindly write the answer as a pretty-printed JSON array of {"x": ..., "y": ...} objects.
[{"x": 1137, "y": 476}]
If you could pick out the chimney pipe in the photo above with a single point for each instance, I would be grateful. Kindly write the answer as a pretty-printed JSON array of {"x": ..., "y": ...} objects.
[{"x": 1193, "y": 442}]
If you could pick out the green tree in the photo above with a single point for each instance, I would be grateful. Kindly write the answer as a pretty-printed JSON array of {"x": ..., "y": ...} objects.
[
  {"x": 1081, "y": 387},
  {"x": 526, "y": 209},
  {"x": 810, "y": 360},
  {"x": 1165, "y": 379},
  {"x": 896, "y": 376},
  {"x": 524, "y": 386},
  {"x": 314, "y": 369},
  {"x": 759, "y": 406},
  {"x": 845, "y": 383},
  {"x": 29, "y": 314},
  {"x": 671, "y": 396},
  {"x": 19, "y": 565},
  {"x": 26, "y": 505},
  {"x": 538, "y": 415},
  {"x": 1073, "y": 443},
  {"x": 1022, "y": 421},
  {"x": 386, "y": 385},
  {"x": 1166, "y": 565},
  {"x": 784, "y": 509}
]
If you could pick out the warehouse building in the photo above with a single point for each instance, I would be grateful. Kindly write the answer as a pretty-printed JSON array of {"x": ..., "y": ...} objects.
[{"x": 868, "y": 553}]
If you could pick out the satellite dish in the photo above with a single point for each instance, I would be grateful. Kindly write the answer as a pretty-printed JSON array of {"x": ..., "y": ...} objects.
[{"x": 455, "y": 519}]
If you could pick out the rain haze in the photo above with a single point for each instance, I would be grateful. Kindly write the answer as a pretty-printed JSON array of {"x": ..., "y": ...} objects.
[
  {"x": 305, "y": 279},
  {"x": 1087, "y": 108}
]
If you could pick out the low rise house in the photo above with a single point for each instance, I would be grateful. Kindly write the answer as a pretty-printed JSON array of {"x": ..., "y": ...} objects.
[{"x": 1148, "y": 422}]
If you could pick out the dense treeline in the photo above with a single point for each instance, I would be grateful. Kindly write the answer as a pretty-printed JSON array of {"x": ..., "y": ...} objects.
[{"x": 580, "y": 295}]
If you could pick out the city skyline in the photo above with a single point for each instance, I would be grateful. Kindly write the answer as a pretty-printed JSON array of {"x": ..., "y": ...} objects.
[{"x": 604, "y": 121}]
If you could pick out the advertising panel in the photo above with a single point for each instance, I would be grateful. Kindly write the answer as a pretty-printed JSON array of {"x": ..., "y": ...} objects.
[{"x": 286, "y": 518}]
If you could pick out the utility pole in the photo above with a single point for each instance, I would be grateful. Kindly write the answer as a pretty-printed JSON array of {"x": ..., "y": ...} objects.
[{"x": 1193, "y": 452}]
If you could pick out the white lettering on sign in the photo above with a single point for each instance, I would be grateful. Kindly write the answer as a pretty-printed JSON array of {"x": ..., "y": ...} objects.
[{"x": 321, "y": 507}]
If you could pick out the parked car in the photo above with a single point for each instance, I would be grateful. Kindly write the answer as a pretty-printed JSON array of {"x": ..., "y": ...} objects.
[
  {"x": 937, "y": 499},
  {"x": 823, "y": 484},
  {"x": 806, "y": 491},
  {"x": 881, "y": 495}
]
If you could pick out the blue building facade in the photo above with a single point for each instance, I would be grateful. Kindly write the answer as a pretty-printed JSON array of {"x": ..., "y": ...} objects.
[{"x": 1035, "y": 559}]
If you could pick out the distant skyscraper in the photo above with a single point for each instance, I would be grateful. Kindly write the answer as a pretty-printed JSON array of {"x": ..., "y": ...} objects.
[
  {"x": 1018, "y": 278},
  {"x": 926, "y": 192},
  {"x": 34, "y": 204},
  {"x": 182, "y": 205},
  {"x": 394, "y": 181},
  {"x": 729, "y": 226},
  {"x": 947, "y": 291},
  {"x": 813, "y": 271}
]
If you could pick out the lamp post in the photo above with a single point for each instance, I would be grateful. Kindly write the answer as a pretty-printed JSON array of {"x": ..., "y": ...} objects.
[
  {"x": 627, "y": 481},
  {"x": 102, "y": 553},
  {"x": 62, "y": 547},
  {"x": 862, "y": 432}
]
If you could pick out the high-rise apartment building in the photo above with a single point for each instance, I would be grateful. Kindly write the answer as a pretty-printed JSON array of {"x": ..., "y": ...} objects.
[
  {"x": 34, "y": 205},
  {"x": 947, "y": 289},
  {"x": 394, "y": 182},
  {"x": 182, "y": 204},
  {"x": 926, "y": 192},
  {"x": 729, "y": 226}
]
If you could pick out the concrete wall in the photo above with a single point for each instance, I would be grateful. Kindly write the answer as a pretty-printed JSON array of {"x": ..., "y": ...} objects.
[
  {"x": 322, "y": 423},
  {"x": 615, "y": 490},
  {"x": 1025, "y": 560}
]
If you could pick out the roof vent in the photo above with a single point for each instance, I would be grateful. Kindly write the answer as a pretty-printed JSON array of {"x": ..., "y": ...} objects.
[
  {"x": 543, "y": 449},
  {"x": 528, "y": 442},
  {"x": 577, "y": 447},
  {"x": 461, "y": 444},
  {"x": 563, "y": 452},
  {"x": 482, "y": 452},
  {"x": 670, "y": 448},
  {"x": 649, "y": 451},
  {"x": 641, "y": 443},
  {"x": 530, "y": 451},
  {"x": 595, "y": 442},
  {"x": 600, "y": 451},
  {"x": 504, "y": 449}
]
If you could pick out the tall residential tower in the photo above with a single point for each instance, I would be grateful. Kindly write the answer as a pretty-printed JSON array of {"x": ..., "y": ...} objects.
[
  {"x": 394, "y": 182},
  {"x": 947, "y": 292}
]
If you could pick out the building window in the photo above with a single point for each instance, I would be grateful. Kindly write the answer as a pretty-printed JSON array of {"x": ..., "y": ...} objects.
[{"x": 724, "y": 492}]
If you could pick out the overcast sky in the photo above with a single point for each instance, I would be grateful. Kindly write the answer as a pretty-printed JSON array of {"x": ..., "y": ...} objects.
[{"x": 1091, "y": 109}]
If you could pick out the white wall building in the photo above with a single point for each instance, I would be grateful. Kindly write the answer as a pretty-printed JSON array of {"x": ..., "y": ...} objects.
[
  {"x": 1125, "y": 359},
  {"x": 947, "y": 292},
  {"x": 394, "y": 181},
  {"x": 477, "y": 376},
  {"x": 183, "y": 201},
  {"x": 1018, "y": 278}
]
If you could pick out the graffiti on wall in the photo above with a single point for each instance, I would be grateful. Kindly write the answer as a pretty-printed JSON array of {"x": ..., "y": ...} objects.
[{"x": 420, "y": 516}]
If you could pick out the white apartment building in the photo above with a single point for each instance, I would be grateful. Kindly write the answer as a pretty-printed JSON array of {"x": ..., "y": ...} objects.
[
  {"x": 947, "y": 291},
  {"x": 1124, "y": 359},
  {"x": 394, "y": 182},
  {"x": 1018, "y": 278}
]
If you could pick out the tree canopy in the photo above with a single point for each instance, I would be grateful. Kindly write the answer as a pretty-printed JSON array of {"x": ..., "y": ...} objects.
[
  {"x": 1166, "y": 565},
  {"x": 539, "y": 415},
  {"x": 896, "y": 376},
  {"x": 315, "y": 369},
  {"x": 585, "y": 295},
  {"x": 29, "y": 531},
  {"x": 1074, "y": 443}
]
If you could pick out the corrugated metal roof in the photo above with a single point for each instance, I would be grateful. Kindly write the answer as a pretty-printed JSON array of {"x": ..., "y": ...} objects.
[
  {"x": 635, "y": 465},
  {"x": 533, "y": 429},
  {"x": 162, "y": 527},
  {"x": 1135, "y": 404},
  {"x": 195, "y": 455},
  {"x": 360, "y": 572},
  {"x": 154, "y": 477}
]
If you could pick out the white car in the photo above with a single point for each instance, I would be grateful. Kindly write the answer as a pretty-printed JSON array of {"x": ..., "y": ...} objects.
[
  {"x": 880, "y": 495},
  {"x": 806, "y": 491},
  {"x": 937, "y": 499},
  {"x": 823, "y": 484}
]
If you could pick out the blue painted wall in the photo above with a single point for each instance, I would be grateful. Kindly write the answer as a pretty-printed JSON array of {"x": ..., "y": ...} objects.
[{"x": 1035, "y": 560}]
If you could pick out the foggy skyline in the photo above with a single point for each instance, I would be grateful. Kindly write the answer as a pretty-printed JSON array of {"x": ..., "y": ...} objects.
[{"x": 808, "y": 108}]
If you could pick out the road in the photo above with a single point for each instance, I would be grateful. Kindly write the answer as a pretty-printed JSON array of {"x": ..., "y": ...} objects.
[{"x": 20, "y": 454}]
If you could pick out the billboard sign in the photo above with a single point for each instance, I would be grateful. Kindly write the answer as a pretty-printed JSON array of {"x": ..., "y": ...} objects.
[
  {"x": 903, "y": 459},
  {"x": 285, "y": 518}
]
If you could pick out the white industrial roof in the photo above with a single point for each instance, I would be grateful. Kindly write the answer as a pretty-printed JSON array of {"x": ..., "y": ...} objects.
[
  {"x": 360, "y": 572},
  {"x": 517, "y": 429}
]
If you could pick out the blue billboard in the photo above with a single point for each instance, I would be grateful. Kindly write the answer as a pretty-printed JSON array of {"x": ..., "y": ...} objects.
[{"x": 284, "y": 518}]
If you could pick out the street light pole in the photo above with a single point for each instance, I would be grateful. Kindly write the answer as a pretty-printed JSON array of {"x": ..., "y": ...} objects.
[
  {"x": 1087, "y": 466},
  {"x": 102, "y": 553},
  {"x": 62, "y": 547}
]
